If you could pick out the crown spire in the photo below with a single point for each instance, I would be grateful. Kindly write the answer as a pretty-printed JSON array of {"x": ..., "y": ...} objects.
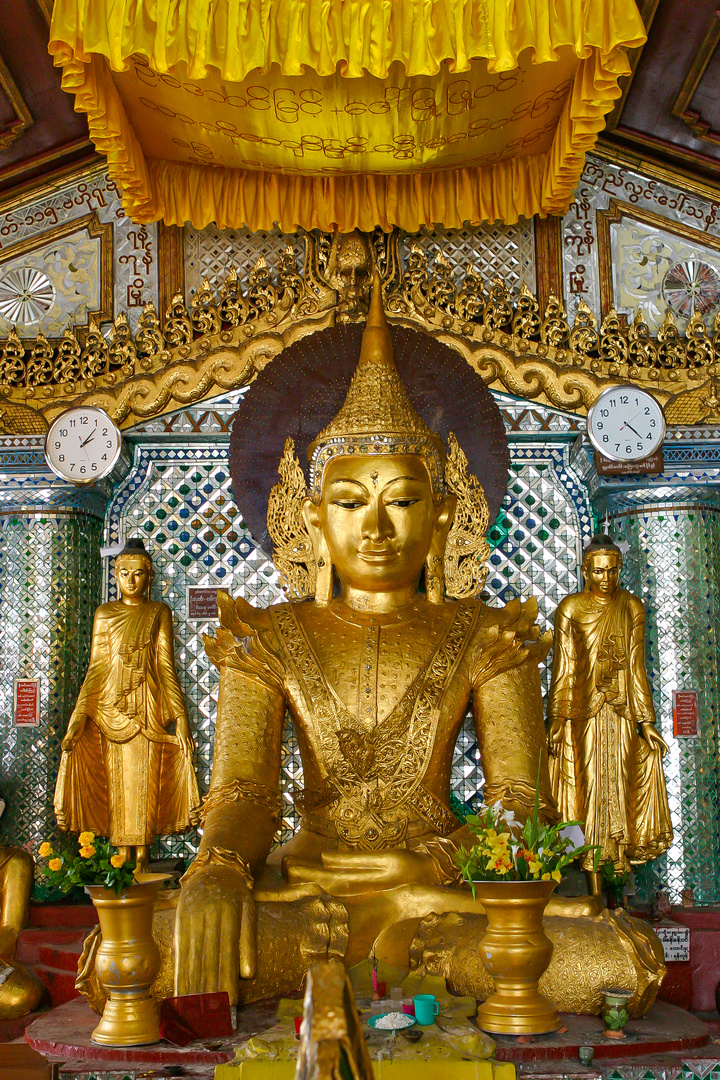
[{"x": 377, "y": 416}]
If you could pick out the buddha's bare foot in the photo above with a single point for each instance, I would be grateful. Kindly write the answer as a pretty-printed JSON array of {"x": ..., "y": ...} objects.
[
  {"x": 611, "y": 949},
  {"x": 291, "y": 937}
]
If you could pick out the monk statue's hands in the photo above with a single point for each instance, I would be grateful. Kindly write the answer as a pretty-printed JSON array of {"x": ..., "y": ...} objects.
[
  {"x": 344, "y": 873},
  {"x": 555, "y": 734},
  {"x": 182, "y": 733},
  {"x": 74, "y": 731},
  {"x": 653, "y": 738},
  {"x": 215, "y": 940}
]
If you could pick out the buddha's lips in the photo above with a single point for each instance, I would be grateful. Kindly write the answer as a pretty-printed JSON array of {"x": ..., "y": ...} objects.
[{"x": 377, "y": 556}]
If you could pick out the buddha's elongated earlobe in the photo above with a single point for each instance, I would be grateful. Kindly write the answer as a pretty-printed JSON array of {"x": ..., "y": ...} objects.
[
  {"x": 324, "y": 577},
  {"x": 435, "y": 578}
]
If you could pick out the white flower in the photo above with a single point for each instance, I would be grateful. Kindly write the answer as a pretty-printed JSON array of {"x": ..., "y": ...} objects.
[{"x": 502, "y": 814}]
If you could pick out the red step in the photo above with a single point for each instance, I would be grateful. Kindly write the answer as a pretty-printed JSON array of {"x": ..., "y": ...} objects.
[
  {"x": 52, "y": 944},
  {"x": 63, "y": 916}
]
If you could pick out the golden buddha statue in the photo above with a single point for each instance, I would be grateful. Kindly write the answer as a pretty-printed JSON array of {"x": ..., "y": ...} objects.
[
  {"x": 20, "y": 990},
  {"x": 123, "y": 774},
  {"x": 377, "y": 680},
  {"x": 605, "y": 751}
]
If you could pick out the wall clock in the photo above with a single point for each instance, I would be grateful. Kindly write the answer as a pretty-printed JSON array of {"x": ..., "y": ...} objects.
[
  {"x": 82, "y": 444},
  {"x": 626, "y": 424}
]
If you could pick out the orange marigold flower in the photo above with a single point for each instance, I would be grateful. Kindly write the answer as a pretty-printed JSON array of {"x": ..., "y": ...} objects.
[
  {"x": 118, "y": 860},
  {"x": 45, "y": 849},
  {"x": 55, "y": 864},
  {"x": 87, "y": 852}
]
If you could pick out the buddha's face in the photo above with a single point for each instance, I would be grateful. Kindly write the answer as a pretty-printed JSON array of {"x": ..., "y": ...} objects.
[
  {"x": 379, "y": 519},
  {"x": 133, "y": 576},
  {"x": 602, "y": 572}
]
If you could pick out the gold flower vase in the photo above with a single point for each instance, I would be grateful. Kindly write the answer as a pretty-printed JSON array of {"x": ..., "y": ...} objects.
[
  {"x": 516, "y": 952},
  {"x": 128, "y": 962}
]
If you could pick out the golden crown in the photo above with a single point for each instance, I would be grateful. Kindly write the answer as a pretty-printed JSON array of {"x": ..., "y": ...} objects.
[{"x": 376, "y": 416}]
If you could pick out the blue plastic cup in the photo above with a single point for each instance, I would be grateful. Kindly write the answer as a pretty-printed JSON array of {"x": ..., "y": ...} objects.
[{"x": 426, "y": 1008}]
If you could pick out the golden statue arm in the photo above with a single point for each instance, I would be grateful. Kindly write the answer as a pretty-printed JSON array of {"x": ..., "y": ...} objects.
[
  {"x": 86, "y": 703},
  {"x": 215, "y": 926},
  {"x": 169, "y": 680},
  {"x": 511, "y": 736},
  {"x": 639, "y": 696},
  {"x": 16, "y": 880}
]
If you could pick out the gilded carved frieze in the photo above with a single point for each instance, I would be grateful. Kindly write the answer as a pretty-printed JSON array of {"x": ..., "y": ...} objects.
[{"x": 224, "y": 337}]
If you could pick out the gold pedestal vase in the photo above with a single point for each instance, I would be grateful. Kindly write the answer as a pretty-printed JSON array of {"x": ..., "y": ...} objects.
[
  {"x": 128, "y": 962},
  {"x": 516, "y": 952}
]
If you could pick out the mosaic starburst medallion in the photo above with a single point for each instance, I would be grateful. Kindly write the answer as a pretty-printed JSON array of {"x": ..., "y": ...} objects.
[
  {"x": 25, "y": 295},
  {"x": 691, "y": 286}
]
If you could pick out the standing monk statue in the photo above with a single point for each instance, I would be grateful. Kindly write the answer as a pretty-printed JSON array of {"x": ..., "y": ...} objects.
[
  {"x": 123, "y": 774},
  {"x": 605, "y": 751}
]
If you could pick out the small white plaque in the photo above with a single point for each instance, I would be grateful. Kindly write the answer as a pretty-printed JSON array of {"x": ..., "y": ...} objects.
[{"x": 675, "y": 941}]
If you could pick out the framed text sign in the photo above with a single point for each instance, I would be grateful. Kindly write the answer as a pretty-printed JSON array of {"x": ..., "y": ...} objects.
[
  {"x": 202, "y": 602},
  {"x": 675, "y": 941},
  {"x": 26, "y": 703},
  {"x": 686, "y": 723}
]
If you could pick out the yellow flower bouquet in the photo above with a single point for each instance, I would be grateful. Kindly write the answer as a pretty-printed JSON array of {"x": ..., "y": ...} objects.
[
  {"x": 508, "y": 850},
  {"x": 96, "y": 863}
]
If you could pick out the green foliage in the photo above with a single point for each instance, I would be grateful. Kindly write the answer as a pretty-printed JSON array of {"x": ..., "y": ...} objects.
[
  {"x": 507, "y": 850},
  {"x": 95, "y": 863},
  {"x": 616, "y": 1018}
]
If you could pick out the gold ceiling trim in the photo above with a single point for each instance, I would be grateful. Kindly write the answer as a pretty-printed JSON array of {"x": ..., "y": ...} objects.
[
  {"x": 23, "y": 117},
  {"x": 221, "y": 341}
]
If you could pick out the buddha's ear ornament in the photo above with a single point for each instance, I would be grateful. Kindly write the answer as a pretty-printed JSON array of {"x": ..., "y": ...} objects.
[
  {"x": 293, "y": 550},
  {"x": 467, "y": 549}
]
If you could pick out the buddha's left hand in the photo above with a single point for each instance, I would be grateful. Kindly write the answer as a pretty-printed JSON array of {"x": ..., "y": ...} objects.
[
  {"x": 653, "y": 738},
  {"x": 343, "y": 873}
]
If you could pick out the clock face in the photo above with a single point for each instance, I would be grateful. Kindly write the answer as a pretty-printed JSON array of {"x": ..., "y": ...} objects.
[
  {"x": 82, "y": 445},
  {"x": 626, "y": 424}
]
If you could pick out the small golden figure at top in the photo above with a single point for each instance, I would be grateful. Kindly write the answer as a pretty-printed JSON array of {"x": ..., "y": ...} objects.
[
  {"x": 605, "y": 751},
  {"x": 123, "y": 774}
]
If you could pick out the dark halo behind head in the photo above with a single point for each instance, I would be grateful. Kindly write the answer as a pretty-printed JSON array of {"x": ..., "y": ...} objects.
[
  {"x": 303, "y": 389},
  {"x": 599, "y": 543}
]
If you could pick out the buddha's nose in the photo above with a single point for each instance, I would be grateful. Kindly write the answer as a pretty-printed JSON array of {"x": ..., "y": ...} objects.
[{"x": 375, "y": 521}]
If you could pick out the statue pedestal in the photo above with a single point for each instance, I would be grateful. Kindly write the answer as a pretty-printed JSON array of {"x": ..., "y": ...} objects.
[{"x": 64, "y": 1034}]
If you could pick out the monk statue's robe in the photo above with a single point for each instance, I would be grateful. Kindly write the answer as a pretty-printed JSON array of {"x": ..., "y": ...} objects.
[
  {"x": 127, "y": 777},
  {"x": 603, "y": 772}
]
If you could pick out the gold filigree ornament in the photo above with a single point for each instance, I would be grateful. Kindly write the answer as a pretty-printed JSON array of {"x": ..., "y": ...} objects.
[
  {"x": 293, "y": 551},
  {"x": 467, "y": 549}
]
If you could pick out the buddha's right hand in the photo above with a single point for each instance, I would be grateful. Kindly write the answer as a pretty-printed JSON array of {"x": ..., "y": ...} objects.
[
  {"x": 74, "y": 731},
  {"x": 555, "y": 734},
  {"x": 214, "y": 933}
]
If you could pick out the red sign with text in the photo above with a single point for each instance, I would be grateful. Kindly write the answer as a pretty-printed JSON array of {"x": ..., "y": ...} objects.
[
  {"x": 685, "y": 714},
  {"x": 26, "y": 703},
  {"x": 202, "y": 603}
]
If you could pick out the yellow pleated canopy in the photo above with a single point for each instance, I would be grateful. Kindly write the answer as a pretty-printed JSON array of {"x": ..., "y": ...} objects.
[{"x": 348, "y": 113}]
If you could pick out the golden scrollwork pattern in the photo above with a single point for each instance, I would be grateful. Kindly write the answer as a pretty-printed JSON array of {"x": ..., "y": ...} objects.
[{"x": 223, "y": 338}]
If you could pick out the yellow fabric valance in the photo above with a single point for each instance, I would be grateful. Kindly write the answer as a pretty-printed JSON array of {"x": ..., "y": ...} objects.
[{"x": 353, "y": 113}]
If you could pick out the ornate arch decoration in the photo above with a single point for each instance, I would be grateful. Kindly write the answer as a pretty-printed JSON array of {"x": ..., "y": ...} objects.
[{"x": 221, "y": 341}]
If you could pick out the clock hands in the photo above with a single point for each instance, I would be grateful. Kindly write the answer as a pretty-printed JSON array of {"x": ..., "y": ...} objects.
[
  {"x": 90, "y": 436},
  {"x": 632, "y": 428}
]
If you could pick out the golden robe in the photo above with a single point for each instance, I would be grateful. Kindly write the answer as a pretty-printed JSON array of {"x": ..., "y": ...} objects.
[
  {"x": 603, "y": 772},
  {"x": 127, "y": 777}
]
